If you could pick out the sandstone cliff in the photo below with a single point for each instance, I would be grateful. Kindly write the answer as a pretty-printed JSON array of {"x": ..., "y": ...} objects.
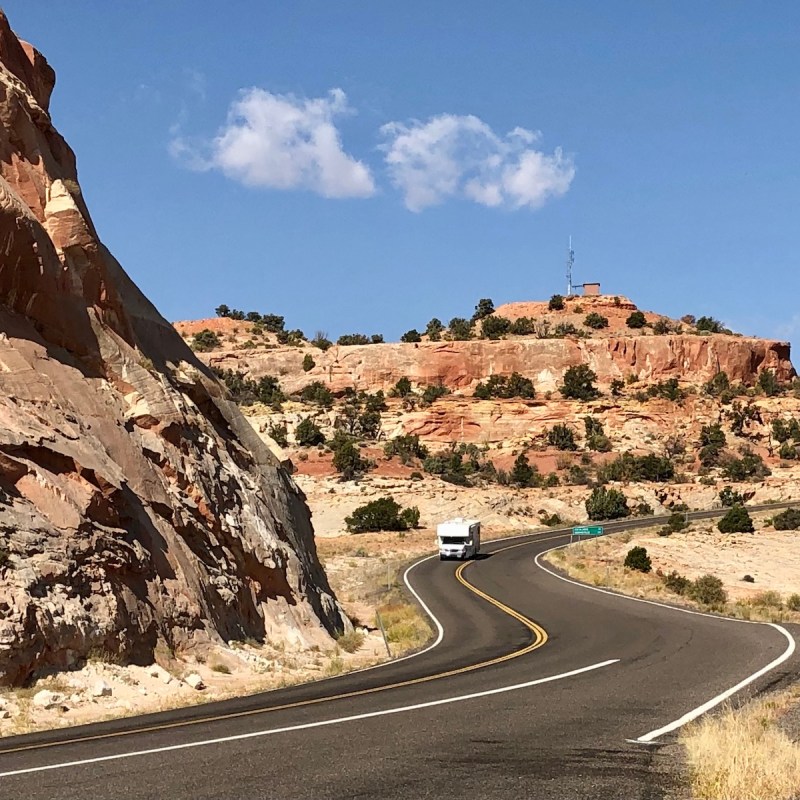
[
  {"x": 460, "y": 365},
  {"x": 138, "y": 509}
]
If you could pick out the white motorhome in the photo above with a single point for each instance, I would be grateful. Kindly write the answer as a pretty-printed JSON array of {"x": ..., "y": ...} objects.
[{"x": 458, "y": 538}]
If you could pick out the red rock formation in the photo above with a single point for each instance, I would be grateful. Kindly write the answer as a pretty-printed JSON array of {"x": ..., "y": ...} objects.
[
  {"x": 137, "y": 506},
  {"x": 460, "y": 365}
]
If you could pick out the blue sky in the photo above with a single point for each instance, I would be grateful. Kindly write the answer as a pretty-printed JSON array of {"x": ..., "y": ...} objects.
[{"x": 362, "y": 166}]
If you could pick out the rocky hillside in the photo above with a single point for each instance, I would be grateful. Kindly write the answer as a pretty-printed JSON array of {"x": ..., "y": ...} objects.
[
  {"x": 138, "y": 509},
  {"x": 451, "y": 420}
]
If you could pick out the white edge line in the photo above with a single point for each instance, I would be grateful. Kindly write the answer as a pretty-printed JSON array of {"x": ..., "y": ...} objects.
[
  {"x": 689, "y": 716},
  {"x": 307, "y": 725}
]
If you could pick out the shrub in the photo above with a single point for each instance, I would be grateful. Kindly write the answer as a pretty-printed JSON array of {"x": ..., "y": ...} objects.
[
  {"x": 322, "y": 341},
  {"x": 245, "y": 391},
  {"x": 376, "y": 338},
  {"x": 205, "y": 340},
  {"x": 561, "y": 437},
  {"x": 556, "y": 303},
  {"x": 750, "y": 465},
  {"x": 407, "y": 447},
  {"x": 349, "y": 339},
  {"x": 637, "y": 559},
  {"x": 729, "y": 497},
  {"x": 788, "y": 451},
  {"x": 515, "y": 385},
  {"x": 347, "y": 460},
  {"x": 788, "y": 520},
  {"x": 783, "y": 430},
  {"x": 383, "y": 514},
  {"x": 629, "y": 467},
  {"x": 768, "y": 383},
  {"x": 566, "y": 329},
  {"x": 411, "y": 336},
  {"x": 616, "y": 387},
  {"x": 460, "y": 329},
  {"x": 360, "y": 413},
  {"x": 222, "y": 311},
  {"x": 308, "y": 363},
  {"x": 483, "y": 309},
  {"x": 307, "y": 433},
  {"x": 432, "y": 393},
  {"x": 278, "y": 434},
  {"x": 523, "y": 474},
  {"x": 605, "y": 503},
  {"x": 402, "y": 388},
  {"x": 793, "y": 602},
  {"x": 434, "y": 329},
  {"x": 661, "y": 326},
  {"x": 710, "y": 325},
  {"x": 636, "y": 320},
  {"x": 410, "y": 516},
  {"x": 494, "y": 327},
  {"x": 708, "y": 590},
  {"x": 350, "y": 642},
  {"x": 677, "y": 583},
  {"x": 524, "y": 326},
  {"x": 718, "y": 384},
  {"x": 579, "y": 383},
  {"x": 677, "y": 522},
  {"x": 318, "y": 393},
  {"x": 5, "y": 558},
  {"x": 595, "y": 320},
  {"x": 737, "y": 520}
]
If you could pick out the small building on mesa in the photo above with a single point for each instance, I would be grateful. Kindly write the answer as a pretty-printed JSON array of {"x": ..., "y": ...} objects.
[{"x": 591, "y": 289}]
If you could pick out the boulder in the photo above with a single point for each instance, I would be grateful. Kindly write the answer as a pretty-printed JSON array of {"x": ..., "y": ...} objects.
[{"x": 194, "y": 681}]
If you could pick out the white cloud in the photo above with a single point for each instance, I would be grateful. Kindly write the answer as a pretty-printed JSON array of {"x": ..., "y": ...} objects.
[
  {"x": 452, "y": 155},
  {"x": 282, "y": 142}
]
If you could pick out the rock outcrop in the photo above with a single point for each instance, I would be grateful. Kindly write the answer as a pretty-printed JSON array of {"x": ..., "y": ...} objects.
[
  {"x": 138, "y": 509},
  {"x": 461, "y": 365}
]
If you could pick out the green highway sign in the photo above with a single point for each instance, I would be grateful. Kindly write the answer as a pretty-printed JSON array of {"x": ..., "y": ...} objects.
[{"x": 588, "y": 530}]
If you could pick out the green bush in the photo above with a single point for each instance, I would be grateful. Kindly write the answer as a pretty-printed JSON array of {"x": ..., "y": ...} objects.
[
  {"x": 784, "y": 430},
  {"x": 321, "y": 341},
  {"x": 637, "y": 559},
  {"x": 205, "y": 340},
  {"x": 793, "y": 602},
  {"x": 556, "y": 303},
  {"x": 318, "y": 393},
  {"x": 788, "y": 520},
  {"x": 595, "y": 320},
  {"x": 494, "y": 327},
  {"x": 788, "y": 451},
  {"x": 483, "y": 309},
  {"x": 523, "y": 474},
  {"x": 605, "y": 503},
  {"x": 524, "y": 326},
  {"x": 629, "y": 467},
  {"x": 710, "y": 325},
  {"x": 349, "y": 339},
  {"x": 677, "y": 583},
  {"x": 383, "y": 514},
  {"x": 407, "y": 447},
  {"x": 411, "y": 336},
  {"x": 737, "y": 520},
  {"x": 222, "y": 311},
  {"x": 561, "y": 437},
  {"x": 661, "y": 327},
  {"x": 308, "y": 363},
  {"x": 278, "y": 434},
  {"x": 750, "y": 465},
  {"x": 718, "y": 384},
  {"x": 347, "y": 460},
  {"x": 245, "y": 391},
  {"x": 636, "y": 320},
  {"x": 579, "y": 383},
  {"x": 434, "y": 329},
  {"x": 308, "y": 434},
  {"x": 677, "y": 522},
  {"x": 402, "y": 388},
  {"x": 708, "y": 590},
  {"x": 432, "y": 393},
  {"x": 460, "y": 329},
  {"x": 729, "y": 497},
  {"x": 616, "y": 387},
  {"x": 515, "y": 385}
]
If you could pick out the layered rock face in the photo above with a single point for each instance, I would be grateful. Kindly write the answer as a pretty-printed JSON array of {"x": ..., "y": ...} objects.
[
  {"x": 138, "y": 509},
  {"x": 460, "y": 365}
]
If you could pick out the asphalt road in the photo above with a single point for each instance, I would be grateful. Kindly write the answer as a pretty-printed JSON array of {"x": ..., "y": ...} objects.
[{"x": 570, "y": 675}]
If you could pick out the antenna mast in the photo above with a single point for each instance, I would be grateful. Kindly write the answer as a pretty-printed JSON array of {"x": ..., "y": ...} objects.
[{"x": 570, "y": 264}]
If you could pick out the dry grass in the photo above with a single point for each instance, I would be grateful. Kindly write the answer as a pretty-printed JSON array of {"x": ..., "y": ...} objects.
[
  {"x": 406, "y": 628},
  {"x": 350, "y": 642},
  {"x": 598, "y": 563},
  {"x": 743, "y": 755}
]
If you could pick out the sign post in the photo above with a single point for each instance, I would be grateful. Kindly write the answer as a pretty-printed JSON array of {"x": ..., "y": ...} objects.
[{"x": 585, "y": 530}]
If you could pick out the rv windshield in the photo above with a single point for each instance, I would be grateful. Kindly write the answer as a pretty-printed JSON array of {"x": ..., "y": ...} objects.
[{"x": 454, "y": 539}]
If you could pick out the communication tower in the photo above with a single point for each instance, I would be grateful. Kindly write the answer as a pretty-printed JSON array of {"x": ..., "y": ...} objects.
[{"x": 570, "y": 265}]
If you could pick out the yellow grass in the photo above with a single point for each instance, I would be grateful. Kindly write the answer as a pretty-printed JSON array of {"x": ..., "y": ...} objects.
[{"x": 743, "y": 755}]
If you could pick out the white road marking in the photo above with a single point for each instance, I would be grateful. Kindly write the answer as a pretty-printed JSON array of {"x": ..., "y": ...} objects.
[
  {"x": 307, "y": 725},
  {"x": 649, "y": 738}
]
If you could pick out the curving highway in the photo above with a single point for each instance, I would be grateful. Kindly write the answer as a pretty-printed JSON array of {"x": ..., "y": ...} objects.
[{"x": 533, "y": 687}]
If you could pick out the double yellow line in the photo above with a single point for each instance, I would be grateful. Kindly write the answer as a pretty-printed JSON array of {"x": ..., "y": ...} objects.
[{"x": 539, "y": 639}]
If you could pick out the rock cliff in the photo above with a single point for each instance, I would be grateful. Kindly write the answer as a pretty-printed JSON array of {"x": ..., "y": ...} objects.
[
  {"x": 460, "y": 365},
  {"x": 138, "y": 510}
]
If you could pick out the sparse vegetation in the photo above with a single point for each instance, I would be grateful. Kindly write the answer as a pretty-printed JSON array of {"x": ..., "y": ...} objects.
[
  {"x": 595, "y": 320},
  {"x": 350, "y": 641},
  {"x": 514, "y": 385},
  {"x": 317, "y": 393},
  {"x": 205, "y": 341},
  {"x": 347, "y": 460},
  {"x": 308, "y": 433},
  {"x": 556, "y": 303},
  {"x": 407, "y": 447},
  {"x": 246, "y": 391},
  {"x": 708, "y": 590},
  {"x": 562, "y": 437},
  {"x": 605, "y": 504},
  {"x": 737, "y": 520}
]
